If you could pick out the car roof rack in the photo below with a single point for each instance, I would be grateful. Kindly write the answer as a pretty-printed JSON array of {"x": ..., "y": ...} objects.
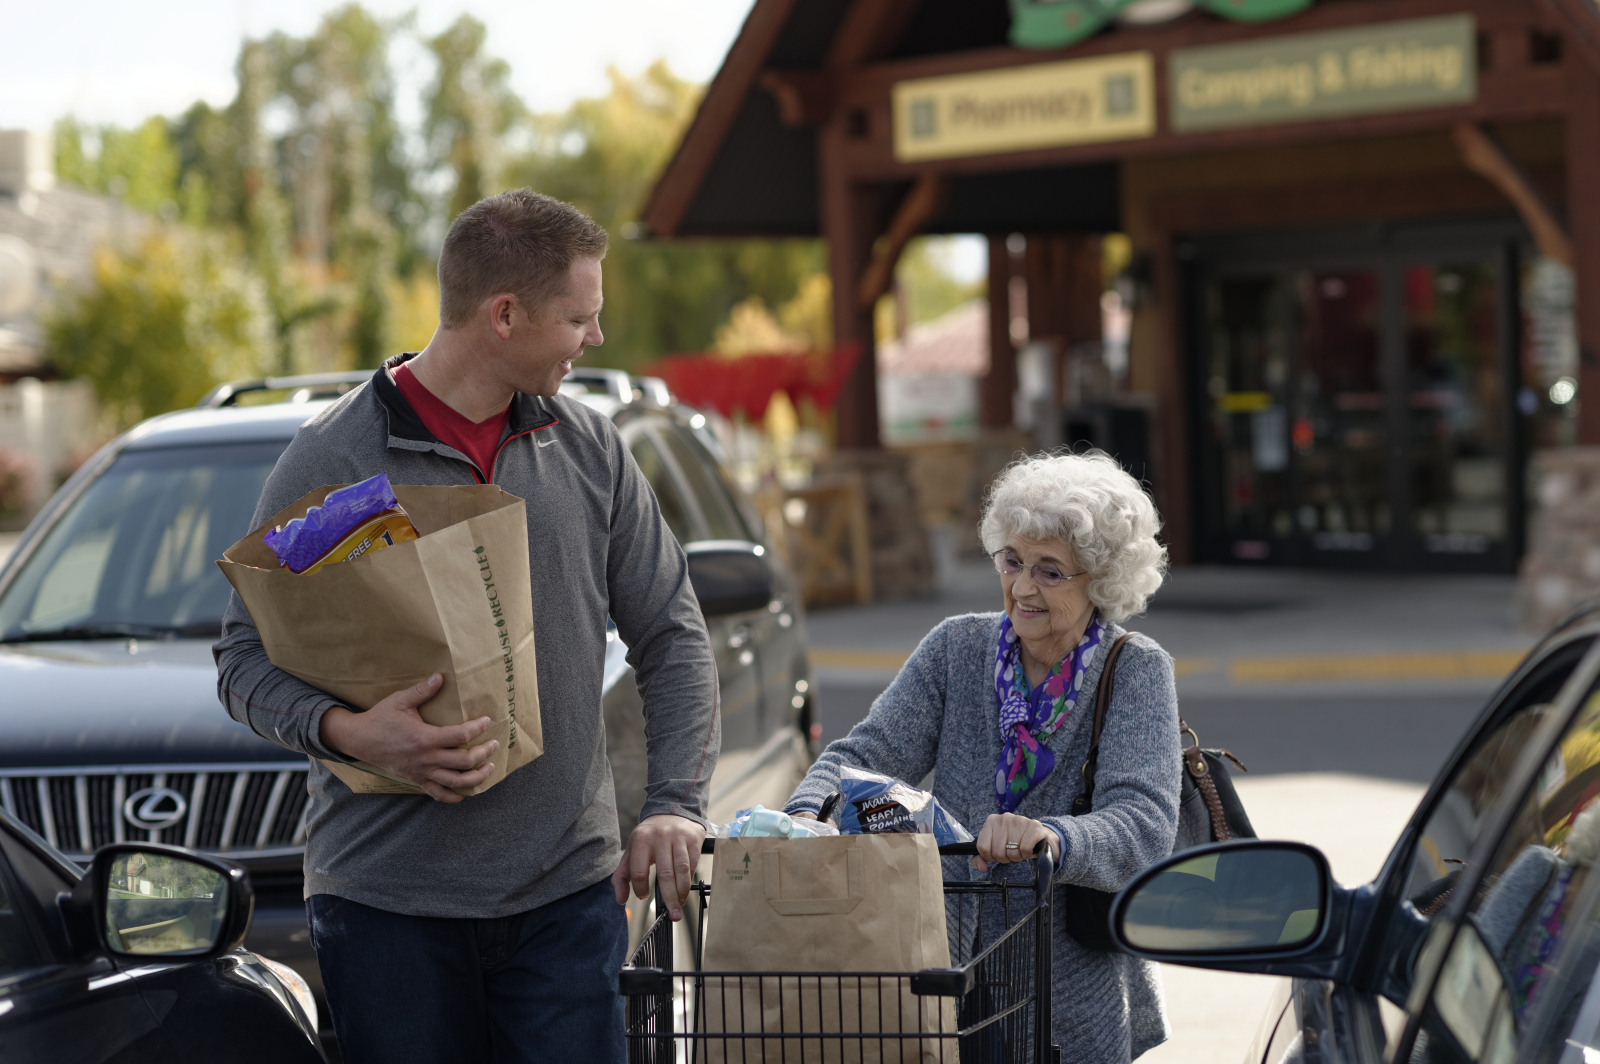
[
  {"x": 613, "y": 382},
  {"x": 306, "y": 387}
]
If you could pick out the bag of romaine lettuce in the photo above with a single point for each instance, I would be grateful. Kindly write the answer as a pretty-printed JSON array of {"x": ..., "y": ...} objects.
[{"x": 871, "y": 804}]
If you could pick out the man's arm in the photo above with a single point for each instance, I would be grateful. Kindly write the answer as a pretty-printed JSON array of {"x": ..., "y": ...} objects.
[
  {"x": 292, "y": 713},
  {"x": 658, "y": 617}
]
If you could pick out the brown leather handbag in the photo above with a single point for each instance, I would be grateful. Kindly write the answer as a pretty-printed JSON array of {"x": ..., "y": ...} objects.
[{"x": 1209, "y": 810}]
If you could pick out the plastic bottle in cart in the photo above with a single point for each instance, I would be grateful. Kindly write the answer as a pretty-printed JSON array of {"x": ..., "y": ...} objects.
[{"x": 766, "y": 822}]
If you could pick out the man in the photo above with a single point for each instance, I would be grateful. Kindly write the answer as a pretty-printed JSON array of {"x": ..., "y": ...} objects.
[{"x": 484, "y": 929}]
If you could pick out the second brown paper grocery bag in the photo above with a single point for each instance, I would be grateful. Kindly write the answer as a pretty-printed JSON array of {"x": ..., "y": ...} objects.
[
  {"x": 457, "y": 601},
  {"x": 849, "y": 903}
]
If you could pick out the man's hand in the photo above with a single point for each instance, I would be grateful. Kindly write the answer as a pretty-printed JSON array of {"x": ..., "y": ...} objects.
[
  {"x": 672, "y": 844},
  {"x": 1008, "y": 837},
  {"x": 393, "y": 736}
]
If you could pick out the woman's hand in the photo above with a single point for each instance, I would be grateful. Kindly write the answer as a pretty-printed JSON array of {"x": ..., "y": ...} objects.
[{"x": 1007, "y": 837}]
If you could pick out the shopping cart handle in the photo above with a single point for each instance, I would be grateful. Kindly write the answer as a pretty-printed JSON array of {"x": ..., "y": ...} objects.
[{"x": 955, "y": 849}]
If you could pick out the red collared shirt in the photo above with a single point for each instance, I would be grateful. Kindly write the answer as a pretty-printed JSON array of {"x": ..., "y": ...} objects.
[{"x": 478, "y": 440}]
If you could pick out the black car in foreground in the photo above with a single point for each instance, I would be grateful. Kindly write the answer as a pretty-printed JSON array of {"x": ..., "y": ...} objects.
[
  {"x": 1480, "y": 939},
  {"x": 110, "y": 728},
  {"x": 138, "y": 961}
]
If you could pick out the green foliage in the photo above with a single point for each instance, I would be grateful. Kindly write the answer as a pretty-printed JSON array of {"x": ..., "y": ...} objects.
[
  {"x": 159, "y": 326},
  {"x": 923, "y": 273},
  {"x": 138, "y": 165},
  {"x": 604, "y": 155},
  {"x": 470, "y": 108},
  {"x": 329, "y": 205}
]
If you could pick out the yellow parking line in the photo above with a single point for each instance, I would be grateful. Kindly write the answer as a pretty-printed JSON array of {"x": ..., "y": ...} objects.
[
  {"x": 1443, "y": 665},
  {"x": 1440, "y": 665},
  {"x": 859, "y": 659}
]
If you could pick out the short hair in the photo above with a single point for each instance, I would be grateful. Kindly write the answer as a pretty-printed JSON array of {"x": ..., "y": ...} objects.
[
  {"x": 520, "y": 242},
  {"x": 1088, "y": 502}
]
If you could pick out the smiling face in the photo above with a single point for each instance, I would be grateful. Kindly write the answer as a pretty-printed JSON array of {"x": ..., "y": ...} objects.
[
  {"x": 546, "y": 341},
  {"x": 1048, "y": 620}
]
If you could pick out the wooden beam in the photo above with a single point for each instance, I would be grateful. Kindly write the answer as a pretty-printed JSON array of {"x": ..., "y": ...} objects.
[
  {"x": 805, "y": 97},
  {"x": 1422, "y": 195},
  {"x": 1484, "y": 156},
  {"x": 922, "y": 204},
  {"x": 1583, "y": 215},
  {"x": 850, "y": 221},
  {"x": 680, "y": 180},
  {"x": 869, "y": 29},
  {"x": 998, "y": 387},
  {"x": 1581, "y": 21}
]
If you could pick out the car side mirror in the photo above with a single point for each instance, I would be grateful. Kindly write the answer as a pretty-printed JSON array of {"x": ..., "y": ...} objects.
[
  {"x": 150, "y": 900},
  {"x": 729, "y": 576},
  {"x": 1229, "y": 901}
]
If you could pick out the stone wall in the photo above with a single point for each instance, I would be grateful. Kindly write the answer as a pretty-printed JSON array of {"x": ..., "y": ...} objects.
[
  {"x": 902, "y": 561},
  {"x": 1562, "y": 565}
]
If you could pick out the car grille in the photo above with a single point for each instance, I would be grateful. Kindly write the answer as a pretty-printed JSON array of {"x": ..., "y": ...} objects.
[{"x": 245, "y": 810}]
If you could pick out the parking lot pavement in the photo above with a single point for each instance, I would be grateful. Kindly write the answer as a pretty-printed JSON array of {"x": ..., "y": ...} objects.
[{"x": 1342, "y": 692}]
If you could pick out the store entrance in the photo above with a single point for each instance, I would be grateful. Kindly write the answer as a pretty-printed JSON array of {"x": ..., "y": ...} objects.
[{"x": 1355, "y": 398}]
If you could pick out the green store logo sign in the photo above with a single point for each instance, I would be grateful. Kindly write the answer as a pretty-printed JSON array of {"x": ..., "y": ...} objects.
[{"x": 1059, "y": 23}]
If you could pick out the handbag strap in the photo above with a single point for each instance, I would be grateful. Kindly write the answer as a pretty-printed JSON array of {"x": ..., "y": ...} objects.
[
  {"x": 1194, "y": 761},
  {"x": 1102, "y": 701}
]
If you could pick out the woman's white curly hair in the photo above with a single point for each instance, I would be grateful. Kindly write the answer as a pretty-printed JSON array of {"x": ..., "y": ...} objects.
[{"x": 1088, "y": 502}]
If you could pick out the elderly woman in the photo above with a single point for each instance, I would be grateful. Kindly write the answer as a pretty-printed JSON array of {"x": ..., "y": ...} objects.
[{"x": 999, "y": 706}]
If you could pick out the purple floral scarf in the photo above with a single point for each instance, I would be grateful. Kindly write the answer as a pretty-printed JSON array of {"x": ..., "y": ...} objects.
[{"x": 1029, "y": 717}]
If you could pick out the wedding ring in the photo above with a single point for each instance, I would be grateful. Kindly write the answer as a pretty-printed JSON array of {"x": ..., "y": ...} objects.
[{"x": 1012, "y": 846}]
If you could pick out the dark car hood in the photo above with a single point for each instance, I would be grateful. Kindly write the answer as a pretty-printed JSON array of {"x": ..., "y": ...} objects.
[{"x": 118, "y": 702}]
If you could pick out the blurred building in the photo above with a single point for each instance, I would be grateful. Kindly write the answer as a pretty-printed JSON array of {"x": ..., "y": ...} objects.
[
  {"x": 1365, "y": 281},
  {"x": 928, "y": 379},
  {"x": 48, "y": 234}
]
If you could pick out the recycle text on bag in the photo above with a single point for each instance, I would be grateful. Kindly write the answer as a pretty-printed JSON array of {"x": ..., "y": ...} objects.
[{"x": 457, "y": 601}]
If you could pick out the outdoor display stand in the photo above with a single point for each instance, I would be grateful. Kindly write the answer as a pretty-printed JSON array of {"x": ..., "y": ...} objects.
[{"x": 999, "y": 1011}]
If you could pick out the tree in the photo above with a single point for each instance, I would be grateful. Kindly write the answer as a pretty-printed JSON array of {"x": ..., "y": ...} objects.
[
  {"x": 471, "y": 107},
  {"x": 603, "y": 154},
  {"x": 160, "y": 325}
]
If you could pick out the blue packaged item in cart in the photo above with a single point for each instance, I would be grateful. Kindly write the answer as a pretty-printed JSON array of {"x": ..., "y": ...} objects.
[{"x": 881, "y": 805}]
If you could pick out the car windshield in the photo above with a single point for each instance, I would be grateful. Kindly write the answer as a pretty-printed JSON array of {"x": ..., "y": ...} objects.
[{"x": 135, "y": 554}]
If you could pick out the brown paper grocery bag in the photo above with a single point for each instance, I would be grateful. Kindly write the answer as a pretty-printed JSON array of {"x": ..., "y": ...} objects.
[
  {"x": 458, "y": 601},
  {"x": 851, "y": 903}
]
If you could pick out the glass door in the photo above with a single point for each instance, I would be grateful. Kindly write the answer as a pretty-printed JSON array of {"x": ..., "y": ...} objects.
[
  {"x": 1356, "y": 411},
  {"x": 1455, "y": 407}
]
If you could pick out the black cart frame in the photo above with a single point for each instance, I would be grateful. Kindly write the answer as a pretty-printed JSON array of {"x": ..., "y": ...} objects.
[{"x": 1000, "y": 995}]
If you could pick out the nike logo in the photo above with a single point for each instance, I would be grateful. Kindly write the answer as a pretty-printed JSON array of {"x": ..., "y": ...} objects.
[{"x": 545, "y": 443}]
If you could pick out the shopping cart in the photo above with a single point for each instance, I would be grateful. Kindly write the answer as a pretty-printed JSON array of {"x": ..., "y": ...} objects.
[{"x": 991, "y": 1006}]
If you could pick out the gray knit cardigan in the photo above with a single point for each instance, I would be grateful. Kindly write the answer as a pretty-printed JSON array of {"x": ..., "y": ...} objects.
[{"x": 939, "y": 714}]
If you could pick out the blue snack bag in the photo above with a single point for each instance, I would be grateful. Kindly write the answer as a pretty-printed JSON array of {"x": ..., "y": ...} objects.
[
  {"x": 350, "y": 522},
  {"x": 881, "y": 805}
]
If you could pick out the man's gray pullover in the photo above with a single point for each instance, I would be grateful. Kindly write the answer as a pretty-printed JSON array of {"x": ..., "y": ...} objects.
[
  {"x": 598, "y": 547},
  {"x": 940, "y": 715}
]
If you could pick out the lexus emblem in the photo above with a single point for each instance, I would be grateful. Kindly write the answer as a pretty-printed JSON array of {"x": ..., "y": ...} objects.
[{"x": 155, "y": 808}]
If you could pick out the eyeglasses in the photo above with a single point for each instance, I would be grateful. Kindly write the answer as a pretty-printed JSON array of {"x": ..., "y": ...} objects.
[{"x": 1044, "y": 573}]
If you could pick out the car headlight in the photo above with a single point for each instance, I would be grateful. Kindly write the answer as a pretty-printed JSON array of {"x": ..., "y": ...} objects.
[{"x": 296, "y": 985}]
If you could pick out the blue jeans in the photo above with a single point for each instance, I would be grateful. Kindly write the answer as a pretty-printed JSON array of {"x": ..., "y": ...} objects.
[{"x": 537, "y": 986}]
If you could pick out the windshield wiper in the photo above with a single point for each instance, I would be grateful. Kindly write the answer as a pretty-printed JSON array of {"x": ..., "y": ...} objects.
[{"x": 116, "y": 631}]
